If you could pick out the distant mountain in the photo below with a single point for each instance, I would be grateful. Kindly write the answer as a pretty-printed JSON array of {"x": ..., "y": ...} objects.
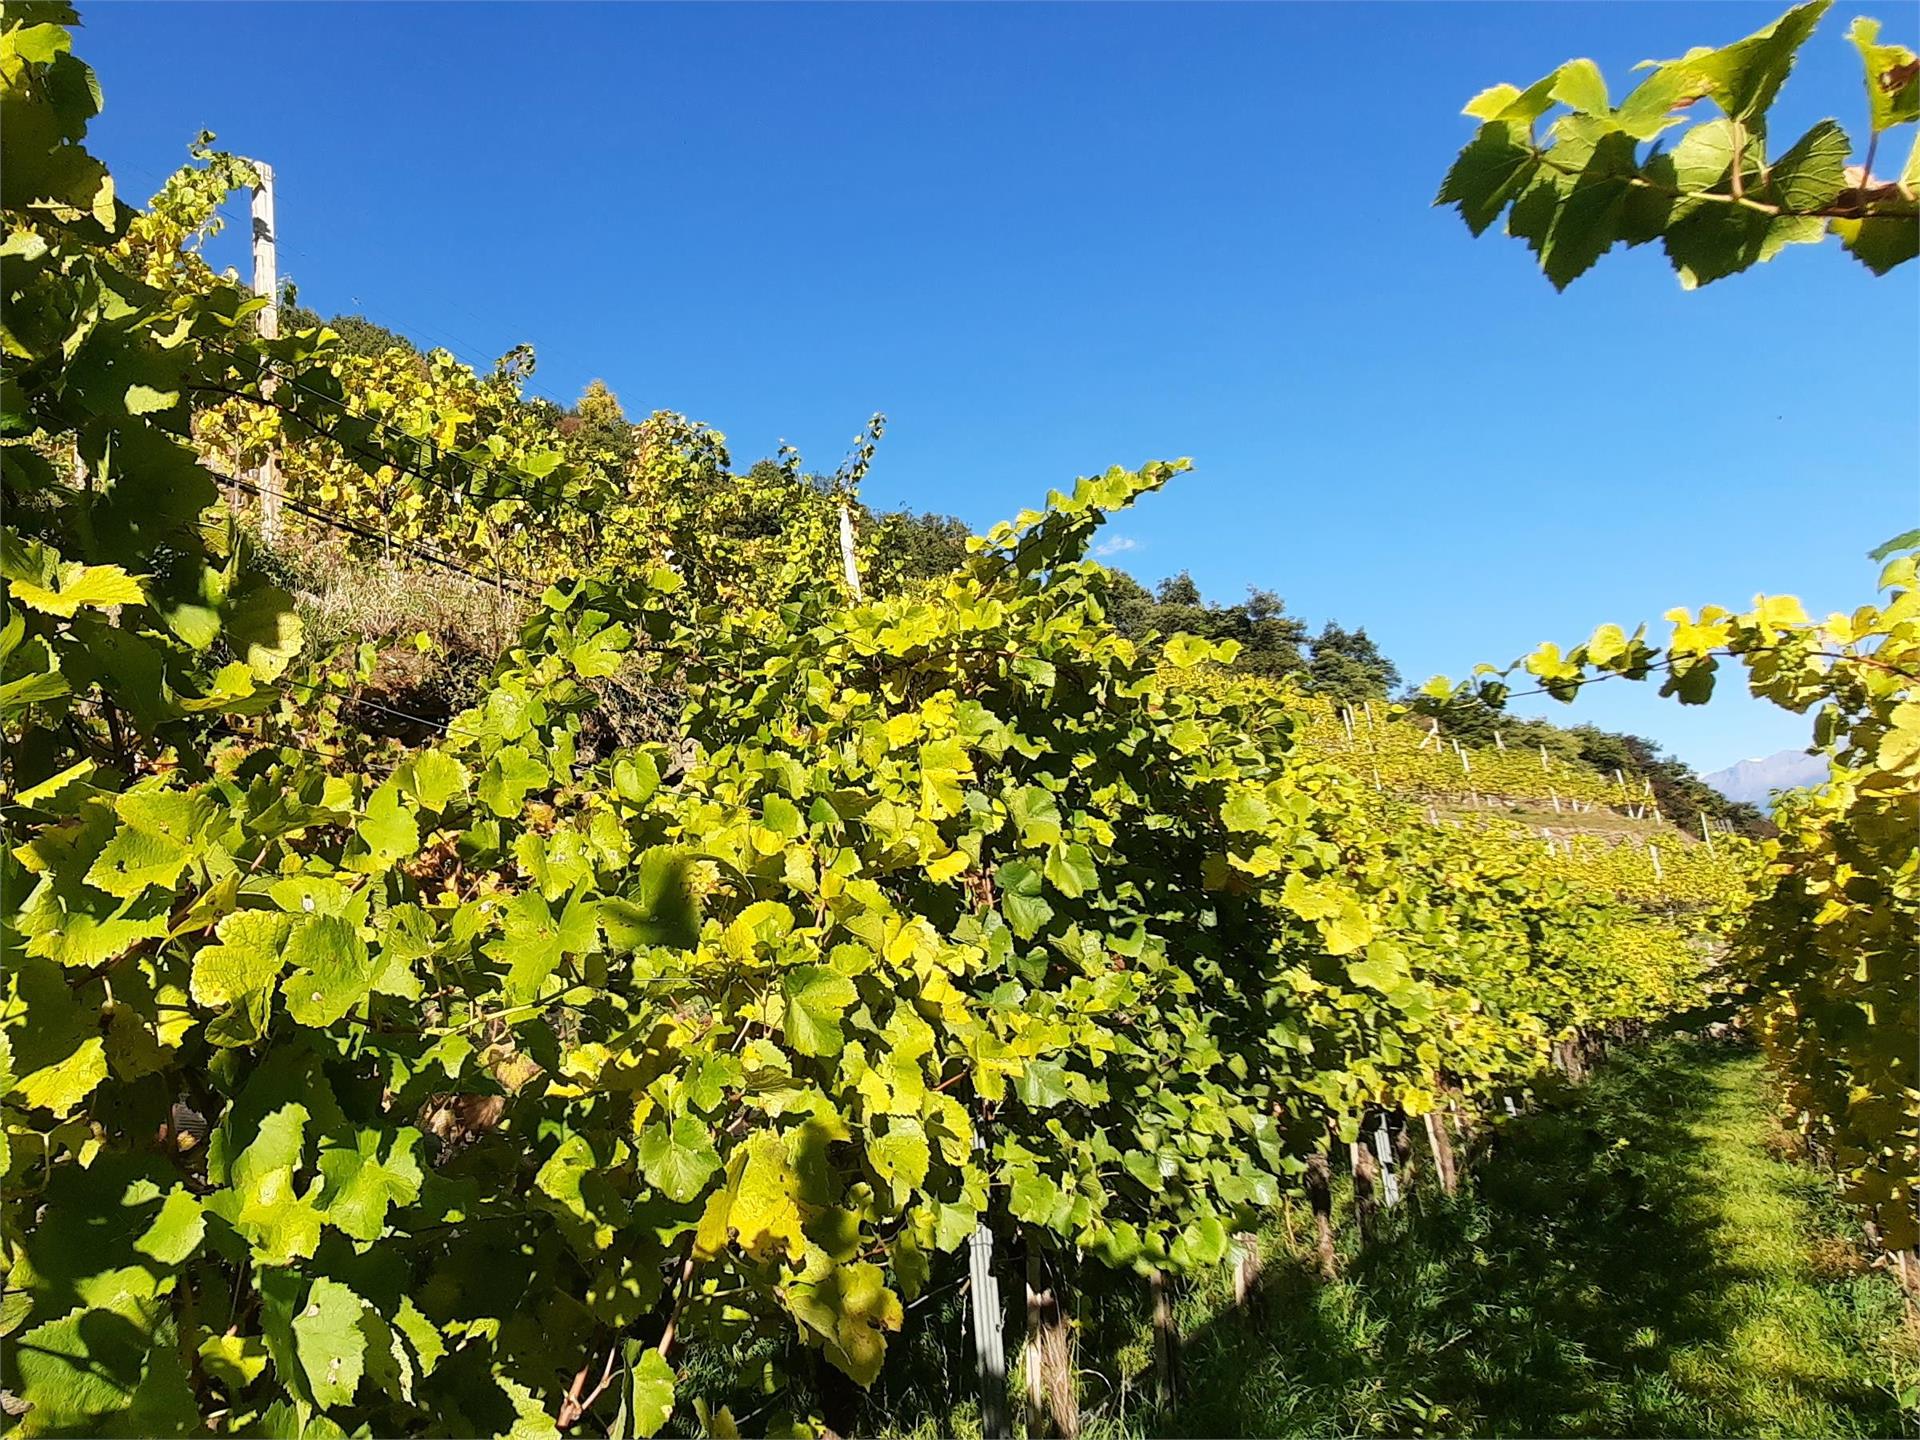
[{"x": 1753, "y": 781}]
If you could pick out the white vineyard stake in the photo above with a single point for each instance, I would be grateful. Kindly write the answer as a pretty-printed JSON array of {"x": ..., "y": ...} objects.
[{"x": 1383, "y": 1148}]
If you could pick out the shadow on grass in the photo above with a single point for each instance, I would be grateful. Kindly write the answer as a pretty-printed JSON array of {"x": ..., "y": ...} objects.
[{"x": 1581, "y": 1285}]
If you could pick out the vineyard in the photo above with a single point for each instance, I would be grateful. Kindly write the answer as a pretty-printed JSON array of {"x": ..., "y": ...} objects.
[{"x": 632, "y": 973}]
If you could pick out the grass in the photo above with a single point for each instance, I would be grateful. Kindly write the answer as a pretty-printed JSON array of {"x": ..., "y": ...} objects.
[{"x": 1640, "y": 1256}]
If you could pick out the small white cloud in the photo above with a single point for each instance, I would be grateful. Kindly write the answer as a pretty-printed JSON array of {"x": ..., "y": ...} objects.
[{"x": 1118, "y": 545}]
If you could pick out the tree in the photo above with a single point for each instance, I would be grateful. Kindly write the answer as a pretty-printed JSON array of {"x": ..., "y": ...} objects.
[
  {"x": 597, "y": 421},
  {"x": 1270, "y": 639},
  {"x": 919, "y": 547},
  {"x": 359, "y": 336},
  {"x": 1715, "y": 199},
  {"x": 1347, "y": 665}
]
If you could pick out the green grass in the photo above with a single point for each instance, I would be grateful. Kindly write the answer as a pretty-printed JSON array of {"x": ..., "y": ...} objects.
[{"x": 1641, "y": 1256}]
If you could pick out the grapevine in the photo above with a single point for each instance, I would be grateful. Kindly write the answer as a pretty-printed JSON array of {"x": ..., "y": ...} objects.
[{"x": 455, "y": 1075}]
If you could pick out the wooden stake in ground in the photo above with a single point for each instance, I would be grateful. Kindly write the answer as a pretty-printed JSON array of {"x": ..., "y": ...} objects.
[
  {"x": 266, "y": 282},
  {"x": 1320, "y": 1197},
  {"x": 1166, "y": 1338},
  {"x": 1053, "y": 1404},
  {"x": 1441, "y": 1144},
  {"x": 1246, "y": 1265},
  {"x": 1366, "y": 1176}
]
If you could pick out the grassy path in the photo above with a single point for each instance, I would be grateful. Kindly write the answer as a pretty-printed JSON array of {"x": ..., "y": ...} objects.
[
  {"x": 1639, "y": 1257},
  {"x": 1642, "y": 1256}
]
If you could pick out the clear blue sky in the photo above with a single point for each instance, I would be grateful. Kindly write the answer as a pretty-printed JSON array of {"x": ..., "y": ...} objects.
[{"x": 1044, "y": 240}]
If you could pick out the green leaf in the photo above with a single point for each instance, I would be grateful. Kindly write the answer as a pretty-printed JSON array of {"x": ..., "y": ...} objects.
[
  {"x": 1032, "y": 1197},
  {"x": 763, "y": 923},
  {"x": 662, "y": 909},
  {"x": 1893, "y": 76},
  {"x": 233, "y": 1361},
  {"x": 679, "y": 1159},
  {"x": 901, "y": 1157},
  {"x": 650, "y": 1393},
  {"x": 176, "y": 1231},
  {"x": 815, "y": 997},
  {"x": 561, "y": 1177},
  {"x": 1036, "y": 814},
  {"x": 1910, "y": 540},
  {"x": 1880, "y": 242},
  {"x": 332, "y": 974},
  {"x": 265, "y": 629},
  {"x": 1487, "y": 175},
  {"x": 237, "y": 975},
  {"x": 779, "y": 815},
  {"x": 508, "y": 778},
  {"x": 1020, "y": 898},
  {"x": 76, "y": 587},
  {"x": 1186, "y": 651},
  {"x": 329, "y": 1340},
  {"x": 1811, "y": 175},
  {"x": 135, "y": 861},
  {"x": 1579, "y": 85},
  {"x": 145, "y": 400},
  {"x": 1245, "y": 809},
  {"x": 388, "y": 826},
  {"x": 1071, "y": 870},
  {"x": 432, "y": 778},
  {"x": 1385, "y": 974},
  {"x": 111, "y": 1370},
  {"x": 262, "y": 1200},
  {"x": 1744, "y": 77},
  {"x": 636, "y": 776},
  {"x": 58, "y": 1054},
  {"x": 359, "y": 1184},
  {"x": 534, "y": 940},
  {"x": 849, "y": 1308},
  {"x": 1041, "y": 1084}
]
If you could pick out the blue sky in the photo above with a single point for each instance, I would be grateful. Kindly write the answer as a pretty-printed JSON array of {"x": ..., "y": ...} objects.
[{"x": 1048, "y": 239}]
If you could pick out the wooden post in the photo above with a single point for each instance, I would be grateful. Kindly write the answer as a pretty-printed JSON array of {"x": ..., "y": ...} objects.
[
  {"x": 1400, "y": 1138},
  {"x": 989, "y": 1343},
  {"x": 1365, "y": 1187},
  {"x": 1320, "y": 1197},
  {"x": 1053, "y": 1406},
  {"x": 1653, "y": 854},
  {"x": 1906, "y": 1269},
  {"x": 1246, "y": 1265},
  {"x": 1442, "y": 1146},
  {"x": 266, "y": 282},
  {"x": 1166, "y": 1338},
  {"x": 846, "y": 550}
]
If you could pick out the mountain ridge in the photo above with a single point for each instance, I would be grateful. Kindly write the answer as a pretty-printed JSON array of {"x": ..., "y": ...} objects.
[{"x": 1753, "y": 781}]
